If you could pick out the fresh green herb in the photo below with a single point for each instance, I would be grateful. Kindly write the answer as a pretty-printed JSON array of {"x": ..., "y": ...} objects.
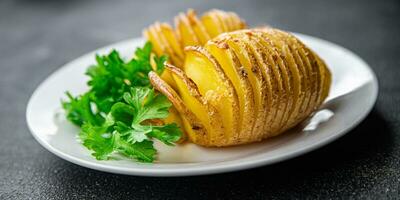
[{"x": 115, "y": 114}]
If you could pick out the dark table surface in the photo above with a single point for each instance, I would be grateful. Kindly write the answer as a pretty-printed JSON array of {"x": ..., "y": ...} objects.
[{"x": 37, "y": 37}]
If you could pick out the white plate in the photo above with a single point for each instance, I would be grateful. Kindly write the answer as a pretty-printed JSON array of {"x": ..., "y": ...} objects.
[{"x": 353, "y": 94}]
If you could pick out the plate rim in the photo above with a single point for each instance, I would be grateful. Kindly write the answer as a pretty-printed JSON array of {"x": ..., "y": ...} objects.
[{"x": 198, "y": 170}]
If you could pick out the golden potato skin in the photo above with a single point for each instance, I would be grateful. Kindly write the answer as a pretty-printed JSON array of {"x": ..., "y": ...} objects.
[
  {"x": 190, "y": 30},
  {"x": 285, "y": 82}
]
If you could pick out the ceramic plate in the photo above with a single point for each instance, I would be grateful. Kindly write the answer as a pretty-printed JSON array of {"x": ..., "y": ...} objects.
[{"x": 353, "y": 94}]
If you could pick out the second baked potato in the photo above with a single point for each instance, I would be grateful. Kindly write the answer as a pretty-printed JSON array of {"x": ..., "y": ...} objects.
[{"x": 190, "y": 30}]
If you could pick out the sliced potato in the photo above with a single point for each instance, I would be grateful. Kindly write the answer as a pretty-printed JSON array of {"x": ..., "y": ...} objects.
[
  {"x": 172, "y": 39},
  {"x": 318, "y": 73},
  {"x": 263, "y": 84},
  {"x": 255, "y": 77},
  {"x": 280, "y": 72},
  {"x": 206, "y": 111},
  {"x": 273, "y": 92},
  {"x": 189, "y": 30},
  {"x": 284, "y": 96},
  {"x": 238, "y": 23},
  {"x": 157, "y": 45},
  {"x": 247, "y": 85},
  {"x": 229, "y": 21},
  {"x": 223, "y": 22},
  {"x": 312, "y": 74},
  {"x": 174, "y": 117},
  {"x": 198, "y": 27},
  {"x": 305, "y": 95},
  {"x": 305, "y": 72},
  {"x": 291, "y": 72},
  {"x": 213, "y": 84},
  {"x": 212, "y": 24},
  {"x": 232, "y": 68},
  {"x": 264, "y": 70},
  {"x": 328, "y": 82},
  {"x": 186, "y": 32},
  {"x": 166, "y": 75},
  {"x": 194, "y": 127},
  {"x": 327, "y": 78},
  {"x": 175, "y": 58},
  {"x": 298, "y": 77}
]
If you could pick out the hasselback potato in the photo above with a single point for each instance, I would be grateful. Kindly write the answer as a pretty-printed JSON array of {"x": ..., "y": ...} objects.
[
  {"x": 245, "y": 86},
  {"x": 231, "y": 86}
]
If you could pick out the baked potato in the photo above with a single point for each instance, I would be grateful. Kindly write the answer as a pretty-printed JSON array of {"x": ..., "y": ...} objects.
[
  {"x": 245, "y": 86},
  {"x": 233, "y": 87}
]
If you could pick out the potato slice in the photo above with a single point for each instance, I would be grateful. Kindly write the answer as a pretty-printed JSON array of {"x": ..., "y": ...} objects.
[
  {"x": 319, "y": 74},
  {"x": 167, "y": 47},
  {"x": 218, "y": 21},
  {"x": 305, "y": 67},
  {"x": 263, "y": 83},
  {"x": 166, "y": 75},
  {"x": 281, "y": 73},
  {"x": 328, "y": 82},
  {"x": 213, "y": 84},
  {"x": 198, "y": 27},
  {"x": 271, "y": 59},
  {"x": 312, "y": 76},
  {"x": 293, "y": 75},
  {"x": 327, "y": 78},
  {"x": 305, "y": 82},
  {"x": 324, "y": 77},
  {"x": 172, "y": 39},
  {"x": 229, "y": 21},
  {"x": 194, "y": 127},
  {"x": 255, "y": 77},
  {"x": 158, "y": 47},
  {"x": 220, "y": 16},
  {"x": 212, "y": 118},
  {"x": 313, "y": 82},
  {"x": 186, "y": 32},
  {"x": 174, "y": 117},
  {"x": 238, "y": 23},
  {"x": 296, "y": 67},
  {"x": 232, "y": 68},
  {"x": 285, "y": 69},
  {"x": 211, "y": 23},
  {"x": 273, "y": 92}
]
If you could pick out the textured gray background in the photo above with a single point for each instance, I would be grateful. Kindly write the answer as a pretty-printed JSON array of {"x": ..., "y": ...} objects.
[{"x": 37, "y": 37}]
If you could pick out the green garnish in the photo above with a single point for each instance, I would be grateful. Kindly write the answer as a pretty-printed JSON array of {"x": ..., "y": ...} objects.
[{"x": 115, "y": 114}]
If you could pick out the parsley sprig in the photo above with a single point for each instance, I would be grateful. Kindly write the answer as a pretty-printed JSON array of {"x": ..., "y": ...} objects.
[{"x": 116, "y": 114}]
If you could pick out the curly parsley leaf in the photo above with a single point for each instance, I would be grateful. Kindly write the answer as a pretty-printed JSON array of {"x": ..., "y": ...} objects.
[
  {"x": 143, "y": 104},
  {"x": 97, "y": 139},
  {"x": 141, "y": 151},
  {"x": 114, "y": 114},
  {"x": 147, "y": 105},
  {"x": 79, "y": 110},
  {"x": 168, "y": 134},
  {"x": 103, "y": 144},
  {"x": 125, "y": 130}
]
